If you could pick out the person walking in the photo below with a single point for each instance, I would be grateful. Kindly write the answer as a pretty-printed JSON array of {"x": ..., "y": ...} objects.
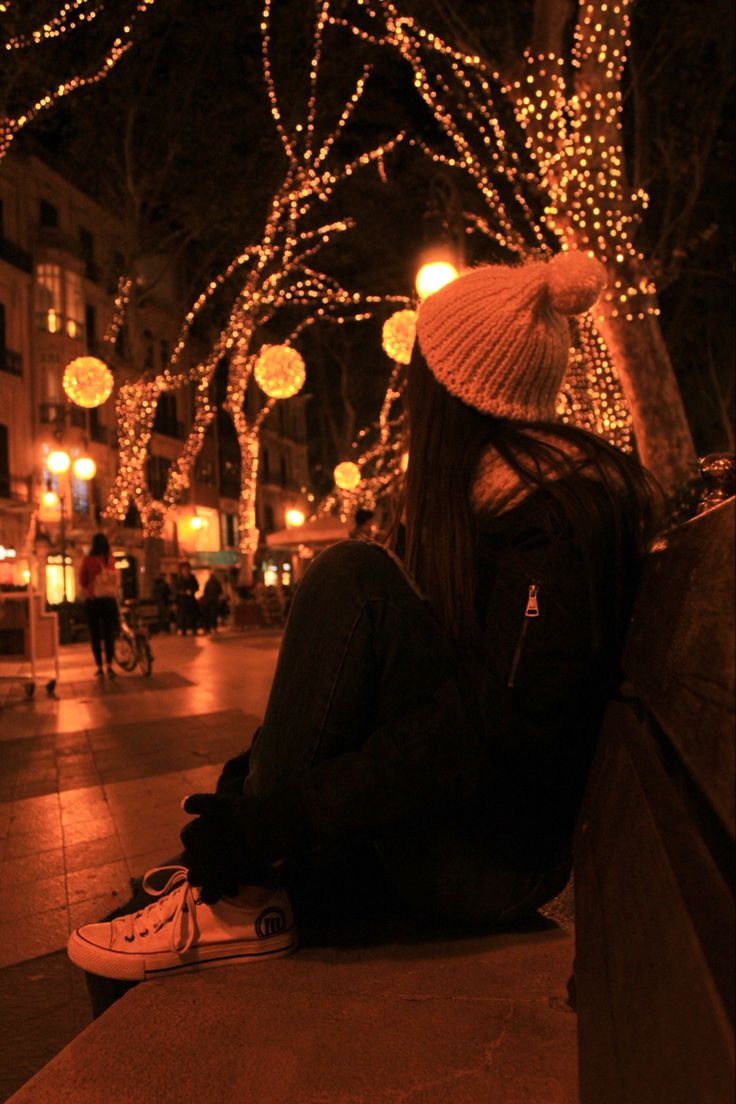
[
  {"x": 432, "y": 716},
  {"x": 211, "y": 597},
  {"x": 185, "y": 590},
  {"x": 98, "y": 581}
]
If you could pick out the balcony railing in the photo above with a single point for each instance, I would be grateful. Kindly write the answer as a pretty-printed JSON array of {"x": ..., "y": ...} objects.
[{"x": 11, "y": 362}]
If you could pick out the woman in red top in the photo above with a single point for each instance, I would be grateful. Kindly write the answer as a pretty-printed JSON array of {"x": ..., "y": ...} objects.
[{"x": 99, "y": 583}]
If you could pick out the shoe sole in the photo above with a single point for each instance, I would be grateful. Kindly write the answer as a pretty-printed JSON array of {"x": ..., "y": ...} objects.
[{"x": 123, "y": 966}]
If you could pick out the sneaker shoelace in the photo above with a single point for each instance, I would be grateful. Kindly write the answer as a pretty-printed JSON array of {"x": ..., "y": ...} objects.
[{"x": 177, "y": 902}]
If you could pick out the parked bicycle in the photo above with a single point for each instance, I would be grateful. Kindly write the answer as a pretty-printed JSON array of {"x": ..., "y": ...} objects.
[{"x": 132, "y": 646}]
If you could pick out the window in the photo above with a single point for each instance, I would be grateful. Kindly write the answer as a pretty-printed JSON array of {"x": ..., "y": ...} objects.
[
  {"x": 165, "y": 353},
  {"x": 86, "y": 243},
  {"x": 80, "y": 495},
  {"x": 56, "y": 578},
  {"x": 49, "y": 298},
  {"x": 48, "y": 215},
  {"x": 74, "y": 305},
  {"x": 282, "y": 468},
  {"x": 165, "y": 420},
  {"x": 90, "y": 325},
  {"x": 4, "y": 463},
  {"x": 268, "y": 522},
  {"x": 132, "y": 518},
  {"x": 158, "y": 474},
  {"x": 265, "y": 464}
]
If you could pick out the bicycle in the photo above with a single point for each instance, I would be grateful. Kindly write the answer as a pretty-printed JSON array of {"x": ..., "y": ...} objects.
[{"x": 132, "y": 646}]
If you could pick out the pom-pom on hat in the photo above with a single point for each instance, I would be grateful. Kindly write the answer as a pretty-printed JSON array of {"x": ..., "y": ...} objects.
[{"x": 497, "y": 337}]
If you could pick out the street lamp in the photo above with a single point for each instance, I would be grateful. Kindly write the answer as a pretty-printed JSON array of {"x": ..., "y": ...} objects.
[{"x": 433, "y": 275}]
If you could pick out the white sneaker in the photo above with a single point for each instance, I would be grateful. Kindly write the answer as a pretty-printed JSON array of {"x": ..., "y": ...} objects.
[{"x": 179, "y": 932}]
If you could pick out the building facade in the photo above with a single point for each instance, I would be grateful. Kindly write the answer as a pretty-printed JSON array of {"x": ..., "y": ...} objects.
[{"x": 60, "y": 258}]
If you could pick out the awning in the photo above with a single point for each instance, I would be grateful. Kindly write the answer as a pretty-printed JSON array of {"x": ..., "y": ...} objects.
[{"x": 324, "y": 530}]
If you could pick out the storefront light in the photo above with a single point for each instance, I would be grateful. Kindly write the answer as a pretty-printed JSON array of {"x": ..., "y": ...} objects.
[
  {"x": 294, "y": 518},
  {"x": 50, "y": 500},
  {"x": 198, "y": 522}
]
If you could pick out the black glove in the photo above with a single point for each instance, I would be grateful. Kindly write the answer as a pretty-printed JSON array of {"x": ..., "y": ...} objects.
[{"x": 215, "y": 847}]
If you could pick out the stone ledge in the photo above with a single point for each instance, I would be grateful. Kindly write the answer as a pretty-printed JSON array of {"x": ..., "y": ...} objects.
[{"x": 468, "y": 1021}]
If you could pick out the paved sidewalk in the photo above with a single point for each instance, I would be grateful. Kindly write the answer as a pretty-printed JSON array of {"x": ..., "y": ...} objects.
[{"x": 90, "y": 785}]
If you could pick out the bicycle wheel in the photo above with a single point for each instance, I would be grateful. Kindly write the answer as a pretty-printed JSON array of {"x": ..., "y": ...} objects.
[
  {"x": 125, "y": 656},
  {"x": 145, "y": 657}
]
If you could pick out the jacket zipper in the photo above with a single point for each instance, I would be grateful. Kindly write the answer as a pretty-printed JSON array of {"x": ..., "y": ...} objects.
[{"x": 531, "y": 611}]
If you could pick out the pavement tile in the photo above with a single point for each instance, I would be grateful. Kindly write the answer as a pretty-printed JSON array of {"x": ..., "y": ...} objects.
[
  {"x": 49, "y": 803},
  {"x": 164, "y": 839},
  {"x": 33, "y": 821},
  {"x": 97, "y": 881},
  {"x": 31, "y": 936},
  {"x": 96, "y": 852},
  {"x": 19, "y": 870},
  {"x": 83, "y": 830},
  {"x": 30, "y": 843},
  {"x": 140, "y": 864},
  {"x": 81, "y": 796},
  {"x": 83, "y": 809},
  {"x": 23, "y": 901},
  {"x": 93, "y": 909}
]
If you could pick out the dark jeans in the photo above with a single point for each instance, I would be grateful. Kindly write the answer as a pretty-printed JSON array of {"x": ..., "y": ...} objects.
[{"x": 102, "y": 618}]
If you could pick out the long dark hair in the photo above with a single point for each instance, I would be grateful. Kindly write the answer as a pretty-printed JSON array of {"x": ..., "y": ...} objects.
[
  {"x": 581, "y": 473},
  {"x": 100, "y": 546}
]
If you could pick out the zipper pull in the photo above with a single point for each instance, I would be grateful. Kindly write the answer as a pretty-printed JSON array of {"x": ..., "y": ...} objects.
[{"x": 532, "y": 606}]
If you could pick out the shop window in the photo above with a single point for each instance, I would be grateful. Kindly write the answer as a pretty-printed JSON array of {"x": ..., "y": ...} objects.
[
  {"x": 49, "y": 298},
  {"x": 90, "y": 325},
  {"x": 56, "y": 570}
]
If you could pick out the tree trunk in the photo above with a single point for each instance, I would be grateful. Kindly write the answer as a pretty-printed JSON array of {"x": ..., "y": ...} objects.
[{"x": 663, "y": 438}]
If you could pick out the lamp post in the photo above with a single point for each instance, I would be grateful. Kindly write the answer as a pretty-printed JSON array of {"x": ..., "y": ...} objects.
[{"x": 58, "y": 462}]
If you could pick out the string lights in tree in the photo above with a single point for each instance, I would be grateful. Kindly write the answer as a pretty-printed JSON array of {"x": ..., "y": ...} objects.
[
  {"x": 70, "y": 17},
  {"x": 556, "y": 182},
  {"x": 277, "y": 273}
]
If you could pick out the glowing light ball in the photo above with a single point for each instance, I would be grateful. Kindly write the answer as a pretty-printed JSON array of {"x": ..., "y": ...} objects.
[
  {"x": 197, "y": 522},
  {"x": 58, "y": 462},
  {"x": 433, "y": 276},
  {"x": 347, "y": 476},
  {"x": 50, "y": 500},
  {"x": 397, "y": 336},
  {"x": 294, "y": 518},
  {"x": 87, "y": 381},
  {"x": 404, "y": 461},
  {"x": 84, "y": 467},
  {"x": 280, "y": 371}
]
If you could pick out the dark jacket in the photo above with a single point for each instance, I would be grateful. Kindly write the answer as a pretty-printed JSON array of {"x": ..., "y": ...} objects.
[{"x": 499, "y": 756}]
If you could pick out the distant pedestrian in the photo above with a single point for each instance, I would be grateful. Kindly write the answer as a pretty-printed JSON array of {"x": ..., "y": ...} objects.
[
  {"x": 185, "y": 589},
  {"x": 211, "y": 597},
  {"x": 365, "y": 526},
  {"x": 161, "y": 595},
  {"x": 98, "y": 580}
]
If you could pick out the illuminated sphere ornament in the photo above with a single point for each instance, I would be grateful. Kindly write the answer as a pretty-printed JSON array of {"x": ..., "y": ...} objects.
[
  {"x": 58, "y": 462},
  {"x": 397, "y": 337},
  {"x": 280, "y": 371},
  {"x": 347, "y": 476},
  {"x": 87, "y": 381},
  {"x": 84, "y": 467},
  {"x": 433, "y": 276}
]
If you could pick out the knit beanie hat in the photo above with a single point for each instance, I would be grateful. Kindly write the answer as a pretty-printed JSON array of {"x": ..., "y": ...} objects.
[{"x": 497, "y": 337}]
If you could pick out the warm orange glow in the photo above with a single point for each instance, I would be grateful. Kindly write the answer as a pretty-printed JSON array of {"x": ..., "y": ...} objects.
[
  {"x": 58, "y": 462},
  {"x": 198, "y": 522},
  {"x": 347, "y": 476},
  {"x": 84, "y": 467},
  {"x": 50, "y": 500},
  {"x": 434, "y": 275},
  {"x": 294, "y": 518}
]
